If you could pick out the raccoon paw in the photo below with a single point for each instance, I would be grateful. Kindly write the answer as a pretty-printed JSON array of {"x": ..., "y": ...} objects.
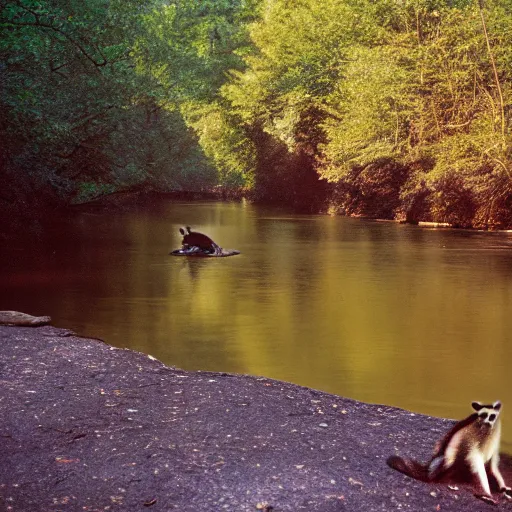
[
  {"x": 507, "y": 492},
  {"x": 488, "y": 499}
]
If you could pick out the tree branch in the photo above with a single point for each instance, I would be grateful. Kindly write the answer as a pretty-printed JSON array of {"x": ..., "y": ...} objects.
[
  {"x": 495, "y": 72},
  {"x": 50, "y": 26}
]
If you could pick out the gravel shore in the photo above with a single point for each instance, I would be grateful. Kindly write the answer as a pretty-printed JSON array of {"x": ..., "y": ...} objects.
[{"x": 88, "y": 427}]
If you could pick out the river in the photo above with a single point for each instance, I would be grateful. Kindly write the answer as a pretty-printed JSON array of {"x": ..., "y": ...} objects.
[{"x": 380, "y": 312}]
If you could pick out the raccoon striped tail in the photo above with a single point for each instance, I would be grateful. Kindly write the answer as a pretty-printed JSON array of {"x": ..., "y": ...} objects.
[{"x": 410, "y": 468}]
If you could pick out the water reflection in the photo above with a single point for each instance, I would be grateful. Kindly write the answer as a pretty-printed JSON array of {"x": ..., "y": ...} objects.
[{"x": 379, "y": 312}]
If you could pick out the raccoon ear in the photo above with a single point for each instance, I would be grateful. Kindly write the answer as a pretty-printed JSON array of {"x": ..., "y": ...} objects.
[
  {"x": 476, "y": 405},
  {"x": 182, "y": 231},
  {"x": 496, "y": 405},
  {"x": 189, "y": 230}
]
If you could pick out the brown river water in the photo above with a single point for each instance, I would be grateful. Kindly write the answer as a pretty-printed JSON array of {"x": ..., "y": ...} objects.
[{"x": 380, "y": 312}]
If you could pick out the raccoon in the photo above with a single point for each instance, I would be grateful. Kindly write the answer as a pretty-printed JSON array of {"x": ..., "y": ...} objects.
[
  {"x": 473, "y": 442},
  {"x": 193, "y": 239}
]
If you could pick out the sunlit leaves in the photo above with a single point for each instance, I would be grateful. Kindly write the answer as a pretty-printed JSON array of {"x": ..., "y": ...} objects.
[
  {"x": 224, "y": 142},
  {"x": 372, "y": 108}
]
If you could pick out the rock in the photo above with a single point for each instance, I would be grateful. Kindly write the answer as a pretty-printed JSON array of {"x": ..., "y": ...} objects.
[{"x": 22, "y": 319}]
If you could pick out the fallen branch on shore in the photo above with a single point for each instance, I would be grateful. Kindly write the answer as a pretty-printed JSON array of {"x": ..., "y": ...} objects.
[{"x": 22, "y": 319}]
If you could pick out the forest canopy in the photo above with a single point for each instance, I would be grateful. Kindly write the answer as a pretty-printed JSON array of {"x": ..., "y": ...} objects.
[{"x": 385, "y": 108}]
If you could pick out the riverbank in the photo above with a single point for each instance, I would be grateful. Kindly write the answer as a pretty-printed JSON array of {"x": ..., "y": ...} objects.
[{"x": 86, "y": 426}]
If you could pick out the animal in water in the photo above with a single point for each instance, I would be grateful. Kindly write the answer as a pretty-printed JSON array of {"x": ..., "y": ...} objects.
[
  {"x": 195, "y": 241},
  {"x": 471, "y": 444}
]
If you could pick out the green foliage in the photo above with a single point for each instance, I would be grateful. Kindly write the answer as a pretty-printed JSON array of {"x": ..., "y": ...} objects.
[
  {"x": 66, "y": 87},
  {"x": 403, "y": 107},
  {"x": 224, "y": 142},
  {"x": 90, "y": 190},
  {"x": 91, "y": 90},
  {"x": 427, "y": 98},
  {"x": 371, "y": 111},
  {"x": 298, "y": 56},
  {"x": 189, "y": 49}
]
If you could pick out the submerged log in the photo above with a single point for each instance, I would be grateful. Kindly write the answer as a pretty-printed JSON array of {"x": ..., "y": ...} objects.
[
  {"x": 22, "y": 319},
  {"x": 435, "y": 224}
]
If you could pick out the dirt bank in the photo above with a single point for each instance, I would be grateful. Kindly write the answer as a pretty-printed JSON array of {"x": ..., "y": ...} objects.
[{"x": 87, "y": 427}]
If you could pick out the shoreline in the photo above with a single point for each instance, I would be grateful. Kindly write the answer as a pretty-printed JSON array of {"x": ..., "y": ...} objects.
[
  {"x": 87, "y": 426},
  {"x": 133, "y": 199},
  {"x": 22, "y": 228}
]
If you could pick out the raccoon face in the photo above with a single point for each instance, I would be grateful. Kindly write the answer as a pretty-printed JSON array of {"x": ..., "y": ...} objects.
[{"x": 487, "y": 414}]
